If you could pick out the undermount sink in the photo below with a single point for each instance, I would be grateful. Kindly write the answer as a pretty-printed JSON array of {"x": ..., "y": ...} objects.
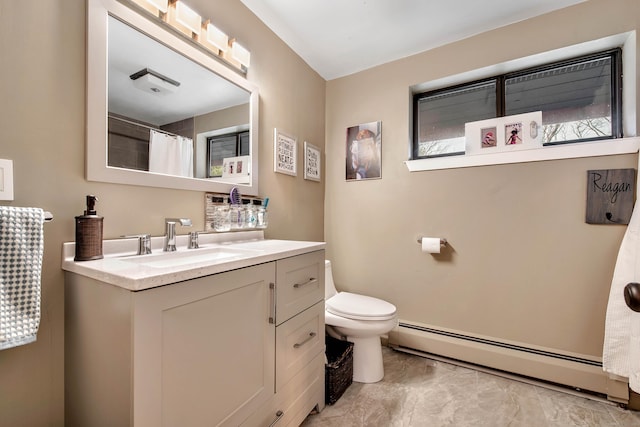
[{"x": 195, "y": 256}]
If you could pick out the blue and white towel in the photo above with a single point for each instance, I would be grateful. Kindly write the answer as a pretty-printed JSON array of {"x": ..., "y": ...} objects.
[{"x": 21, "y": 249}]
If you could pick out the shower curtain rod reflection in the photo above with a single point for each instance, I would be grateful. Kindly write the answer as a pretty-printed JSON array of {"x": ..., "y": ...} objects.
[{"x": 131, "y": 122}]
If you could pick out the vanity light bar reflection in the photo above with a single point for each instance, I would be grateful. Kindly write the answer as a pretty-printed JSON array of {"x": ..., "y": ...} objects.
[
  {"x": 215, "y": 37},
  {"x": 153, "y": 6},
  {"x": 180, "y": 16},
  {"x": 184, "y": 18},
  {"x": 240, "y": 54}
]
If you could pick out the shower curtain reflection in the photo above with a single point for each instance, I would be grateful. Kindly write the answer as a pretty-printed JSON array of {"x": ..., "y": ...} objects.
[{"x": 170, "y": 154}]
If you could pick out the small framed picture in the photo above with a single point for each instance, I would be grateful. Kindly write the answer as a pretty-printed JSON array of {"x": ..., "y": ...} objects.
[
  {"x": 488, "y": 137},
  {"x": 513, "y": 133},
  {"x": 311, "y": 162},
  {"x": 285, "y": 152}
]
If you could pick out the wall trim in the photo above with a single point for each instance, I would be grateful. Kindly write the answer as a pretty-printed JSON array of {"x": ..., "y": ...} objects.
[{"x": 608, "y": 147}]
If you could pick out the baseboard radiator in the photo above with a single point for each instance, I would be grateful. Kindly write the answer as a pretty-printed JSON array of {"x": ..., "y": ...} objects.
[{"x": 571, "y": 370}]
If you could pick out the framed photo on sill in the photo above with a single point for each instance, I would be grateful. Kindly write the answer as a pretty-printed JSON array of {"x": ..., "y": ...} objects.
[
  {"x": 285, "y": 152},
  {"x": 504, "y": 134},
  {"x": 311, "y": 162}
]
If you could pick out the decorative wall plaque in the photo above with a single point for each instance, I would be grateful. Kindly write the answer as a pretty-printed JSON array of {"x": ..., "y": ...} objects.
[{"x": 610, "y": 196}]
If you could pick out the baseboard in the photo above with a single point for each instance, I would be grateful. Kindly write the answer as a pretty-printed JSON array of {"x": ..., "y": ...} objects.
[{"x": 571, "y": 370}]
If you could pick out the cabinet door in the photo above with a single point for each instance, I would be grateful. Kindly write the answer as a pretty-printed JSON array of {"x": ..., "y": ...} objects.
[
  {"x": 300, "y": 284},
  {"x": 204, "y": 349}
]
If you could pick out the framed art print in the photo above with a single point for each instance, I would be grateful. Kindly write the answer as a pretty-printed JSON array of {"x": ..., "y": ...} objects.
[
  {"x": 311, "y": 162},
  {"x": 285, "y": 152},
  {"x": 363, "y": 151}
]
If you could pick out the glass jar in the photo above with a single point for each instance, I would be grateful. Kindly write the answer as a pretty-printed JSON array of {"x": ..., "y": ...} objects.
[
  {"x": 262, "y": 217},
  {"x": 250, "y": 216},
  {"x": 221, "y": 217},
  {"x": 236, "y": 214}
]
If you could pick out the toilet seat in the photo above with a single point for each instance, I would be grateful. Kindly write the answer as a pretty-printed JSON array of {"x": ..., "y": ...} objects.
[{"x": 359, "y": 307}]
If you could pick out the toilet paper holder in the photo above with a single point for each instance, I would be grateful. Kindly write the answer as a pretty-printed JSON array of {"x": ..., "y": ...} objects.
[{"x": 443, "y": 242}]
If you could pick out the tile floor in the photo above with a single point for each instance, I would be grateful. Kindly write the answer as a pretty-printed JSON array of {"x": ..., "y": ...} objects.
[{"x": 417, "y": 392}]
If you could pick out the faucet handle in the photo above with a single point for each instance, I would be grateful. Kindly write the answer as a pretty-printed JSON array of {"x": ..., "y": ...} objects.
[
  {"x": 144, "y": 243},
  {"x": 193, "y": 240}
]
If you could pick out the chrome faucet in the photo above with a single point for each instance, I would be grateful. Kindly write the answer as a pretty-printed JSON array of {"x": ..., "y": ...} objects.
[{"x": 170, "y": 233}]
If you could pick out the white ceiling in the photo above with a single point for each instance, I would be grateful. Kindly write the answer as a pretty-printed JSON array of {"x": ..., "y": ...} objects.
[{"x": 341, "y": 37}]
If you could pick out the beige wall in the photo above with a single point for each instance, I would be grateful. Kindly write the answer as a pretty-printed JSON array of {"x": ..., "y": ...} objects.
[
  {"x": 521, "y": 248},
  {"x": 524, "y": 266},
  {"x": 221, "y": 119},
  {"x": 42, "y": 117}
]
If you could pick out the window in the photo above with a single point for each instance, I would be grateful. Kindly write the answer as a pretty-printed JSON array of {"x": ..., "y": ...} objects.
[
  {"x": 224, "y": 146},
  {"x": 580, "y": 101}
]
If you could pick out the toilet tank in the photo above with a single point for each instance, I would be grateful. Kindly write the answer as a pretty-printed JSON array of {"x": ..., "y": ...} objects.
[{"x": 329, "y": 286}]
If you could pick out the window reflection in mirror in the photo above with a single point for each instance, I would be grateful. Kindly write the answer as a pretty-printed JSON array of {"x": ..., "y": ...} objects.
[
  {"x": 225, "y": 147},
  {"x": 165, "y": 111}
]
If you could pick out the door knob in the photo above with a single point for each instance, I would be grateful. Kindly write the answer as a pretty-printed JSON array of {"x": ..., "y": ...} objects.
[{"x": 632, "y": 296}]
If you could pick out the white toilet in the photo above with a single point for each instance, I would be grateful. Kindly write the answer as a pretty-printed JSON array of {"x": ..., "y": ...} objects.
[{"x": 361, "y": 319}]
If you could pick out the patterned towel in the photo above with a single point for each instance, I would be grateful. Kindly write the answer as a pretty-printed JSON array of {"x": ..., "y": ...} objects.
[{"x": 21, "y": 248}]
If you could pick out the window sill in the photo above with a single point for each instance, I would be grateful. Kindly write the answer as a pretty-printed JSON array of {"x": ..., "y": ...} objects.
[{"x": 607, "y": 147}]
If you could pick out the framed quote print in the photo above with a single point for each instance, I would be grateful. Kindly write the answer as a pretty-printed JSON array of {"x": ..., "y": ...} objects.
[
  {"x": 285, "y": 152},
  {"x": 311, "y": 162}
]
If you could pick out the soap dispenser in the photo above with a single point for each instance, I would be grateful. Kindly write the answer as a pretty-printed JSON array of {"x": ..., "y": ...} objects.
[{"x": 89, "y": 233}]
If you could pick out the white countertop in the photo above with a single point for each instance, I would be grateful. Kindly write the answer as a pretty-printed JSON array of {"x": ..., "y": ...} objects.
[{"x": 218, "y": 252}]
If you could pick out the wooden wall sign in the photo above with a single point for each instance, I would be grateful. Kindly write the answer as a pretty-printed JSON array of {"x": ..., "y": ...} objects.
[{"x": 610, "y": 196}]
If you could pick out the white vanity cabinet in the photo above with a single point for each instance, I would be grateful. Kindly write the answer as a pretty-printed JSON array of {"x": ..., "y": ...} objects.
[{"x": 215, "y": 350}]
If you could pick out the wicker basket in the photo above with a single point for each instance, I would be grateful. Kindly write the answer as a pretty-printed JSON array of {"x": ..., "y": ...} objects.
[{"x": 338, "y": 372}]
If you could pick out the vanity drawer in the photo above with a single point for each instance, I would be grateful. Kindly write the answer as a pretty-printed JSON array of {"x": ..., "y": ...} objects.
[
  {"x": 300, "y": 284},
  {"x": 298, "y": 341}
]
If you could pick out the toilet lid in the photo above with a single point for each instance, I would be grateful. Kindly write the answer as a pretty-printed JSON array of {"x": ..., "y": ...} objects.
[{"x": 359, "y": 307}]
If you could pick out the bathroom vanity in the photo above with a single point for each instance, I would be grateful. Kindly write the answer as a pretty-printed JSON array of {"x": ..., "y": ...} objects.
[{"x": 228, "y": 334}]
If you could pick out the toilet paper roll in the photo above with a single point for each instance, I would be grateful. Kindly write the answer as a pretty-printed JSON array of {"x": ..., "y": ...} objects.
[{"x": 431, "y": 245}]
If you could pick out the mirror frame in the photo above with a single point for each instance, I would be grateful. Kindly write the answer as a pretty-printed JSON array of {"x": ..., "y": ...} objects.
[{"x": 96, "y": 166}]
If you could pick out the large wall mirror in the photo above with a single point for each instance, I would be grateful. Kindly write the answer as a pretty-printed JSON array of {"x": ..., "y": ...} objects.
[{"x": 161, "y": 111}]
